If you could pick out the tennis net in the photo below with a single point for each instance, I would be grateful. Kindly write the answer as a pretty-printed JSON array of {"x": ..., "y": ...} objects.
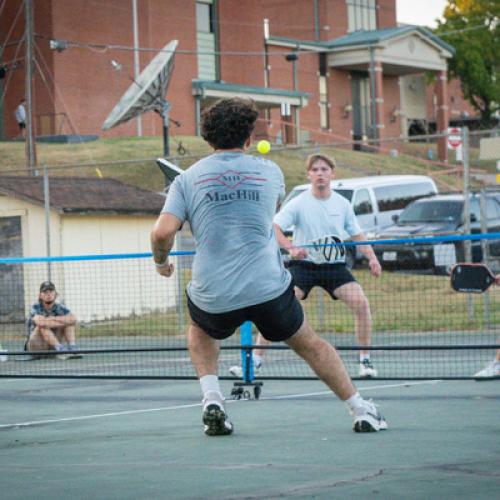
[{"x": 131, "y": 322}]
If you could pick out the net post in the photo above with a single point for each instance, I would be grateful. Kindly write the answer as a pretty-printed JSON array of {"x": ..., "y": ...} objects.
[{"x": 246, "y": 354}]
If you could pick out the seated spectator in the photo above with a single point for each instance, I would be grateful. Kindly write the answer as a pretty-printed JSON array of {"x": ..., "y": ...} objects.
[{"x": 50, "y": 324}]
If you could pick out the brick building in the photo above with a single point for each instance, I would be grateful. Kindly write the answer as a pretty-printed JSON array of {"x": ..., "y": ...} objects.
[{"x": 320, "y": 70}]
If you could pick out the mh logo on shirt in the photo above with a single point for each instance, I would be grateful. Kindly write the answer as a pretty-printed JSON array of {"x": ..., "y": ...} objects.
[{"x": 235, "y": 186}]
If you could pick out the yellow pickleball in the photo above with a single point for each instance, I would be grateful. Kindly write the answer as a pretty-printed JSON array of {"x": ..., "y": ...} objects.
[{"x": 263, "y": 147}]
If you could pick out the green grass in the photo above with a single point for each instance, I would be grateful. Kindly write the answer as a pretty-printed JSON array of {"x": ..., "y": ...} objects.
[
  {"x": 132, "y": 160},
  {"x": 403, "y": 303}
]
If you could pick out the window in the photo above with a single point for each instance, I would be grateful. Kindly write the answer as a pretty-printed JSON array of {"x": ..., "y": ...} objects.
[
  {"x": 361, "y": 15},
  {"x": 432, "y": 211},
  {"x": 362, "y": 203},
  {"x": 397, "y": 197},
  {"x": 346, "y": 193},
  {"x": 208, "y": 63}
]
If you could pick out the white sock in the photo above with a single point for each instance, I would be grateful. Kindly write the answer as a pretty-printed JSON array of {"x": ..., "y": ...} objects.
[
  {"x": 257, "y": 360},
  {"x": 210, "y": 388},
  {"x": 355, "y": 402}
]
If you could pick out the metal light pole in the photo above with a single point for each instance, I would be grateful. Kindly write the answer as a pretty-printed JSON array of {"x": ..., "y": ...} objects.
[
  {"x": 30, "y": 128},
  {"x": 293, "y": 58}
]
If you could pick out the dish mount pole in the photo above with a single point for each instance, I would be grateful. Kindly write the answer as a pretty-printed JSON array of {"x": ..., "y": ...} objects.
[{"x": 164, "y": 113}]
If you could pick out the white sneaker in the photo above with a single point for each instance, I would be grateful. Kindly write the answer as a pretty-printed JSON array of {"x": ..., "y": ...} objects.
[
  {"x": 237, "y": 370},
  {"x": 369, "y": 419},
  {"x": 214, "y": 416},
  {"x": 366, "y": 369},
  {"x": 490, "y": 371},
  {"x": 3, "y": 357}
]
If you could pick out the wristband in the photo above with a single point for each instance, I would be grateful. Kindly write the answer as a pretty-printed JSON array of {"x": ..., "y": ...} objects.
[{"x": 163, "y": 264}]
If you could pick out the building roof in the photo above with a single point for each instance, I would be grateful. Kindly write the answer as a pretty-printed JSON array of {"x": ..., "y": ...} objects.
[
  {"x": 84, "y": 195},
  {"x": 365, "y": 37},
  {"x": 260, "y": 95}
]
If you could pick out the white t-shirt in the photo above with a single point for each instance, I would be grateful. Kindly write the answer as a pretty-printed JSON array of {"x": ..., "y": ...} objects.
[
  {"x": 20, "y": 114},
  {"x": 318, "y": 224}
]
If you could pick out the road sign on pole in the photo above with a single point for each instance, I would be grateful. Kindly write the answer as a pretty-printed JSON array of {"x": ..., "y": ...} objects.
[{"x": 454, "y": 138}]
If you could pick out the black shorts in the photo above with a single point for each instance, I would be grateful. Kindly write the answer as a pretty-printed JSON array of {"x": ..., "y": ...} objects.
[
  {"x": 22, "y": 125},
  {"x": 277, "y": 319},
  {"x": 307, "y": 275}
]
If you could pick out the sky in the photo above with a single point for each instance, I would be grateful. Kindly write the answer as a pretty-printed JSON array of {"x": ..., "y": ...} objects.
[{"x": 421, "y": 12}]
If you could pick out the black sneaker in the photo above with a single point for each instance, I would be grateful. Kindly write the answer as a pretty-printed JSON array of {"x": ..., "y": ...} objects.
[{"x": 215, "y": 420}]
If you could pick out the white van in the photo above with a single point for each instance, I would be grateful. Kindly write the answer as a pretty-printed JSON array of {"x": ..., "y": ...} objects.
[{"x": 377, "y": 199}]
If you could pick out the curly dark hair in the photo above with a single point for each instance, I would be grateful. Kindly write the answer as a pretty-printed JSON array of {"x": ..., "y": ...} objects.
[{"x": 228, "y": 123}]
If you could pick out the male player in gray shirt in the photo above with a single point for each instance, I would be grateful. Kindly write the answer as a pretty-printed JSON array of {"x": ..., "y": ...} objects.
[{"x": 229, "y": 199}]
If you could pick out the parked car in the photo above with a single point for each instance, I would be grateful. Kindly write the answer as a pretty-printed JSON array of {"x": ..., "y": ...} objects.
[
  {"x": 437, "y": 216},
  {"x": 375, "y": 200}
]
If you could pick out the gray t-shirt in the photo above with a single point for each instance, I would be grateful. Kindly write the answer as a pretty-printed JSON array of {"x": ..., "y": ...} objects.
[{"x": 229, "y": 199}]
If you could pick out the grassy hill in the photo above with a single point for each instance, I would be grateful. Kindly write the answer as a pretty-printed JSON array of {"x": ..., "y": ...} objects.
[{"x": 132, "y": 160}]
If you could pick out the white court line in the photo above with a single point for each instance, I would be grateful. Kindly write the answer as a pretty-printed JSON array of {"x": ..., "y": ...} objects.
[
  {"x": 180, "y": 407},
  {"x": 364, "y": 389}
]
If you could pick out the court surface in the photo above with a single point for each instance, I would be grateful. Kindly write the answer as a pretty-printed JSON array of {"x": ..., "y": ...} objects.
[{"x": 143, "y": 439}]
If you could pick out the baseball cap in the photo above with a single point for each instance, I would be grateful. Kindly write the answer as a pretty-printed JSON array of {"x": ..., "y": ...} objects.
[{"x": 47, "y": 285}]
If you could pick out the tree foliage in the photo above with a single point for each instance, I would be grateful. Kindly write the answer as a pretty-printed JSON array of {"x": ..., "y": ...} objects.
[{"x": 472, "y": 27}]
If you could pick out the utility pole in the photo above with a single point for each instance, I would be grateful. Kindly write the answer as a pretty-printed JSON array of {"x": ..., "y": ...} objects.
[{"x": 30, "y": 126}]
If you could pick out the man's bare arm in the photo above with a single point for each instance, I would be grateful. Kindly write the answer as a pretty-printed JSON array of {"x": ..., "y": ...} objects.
[
  {"x": 286, "y": 244},
  {"x": 162, "y": 241},
  {"x": 367, "y": 250}
]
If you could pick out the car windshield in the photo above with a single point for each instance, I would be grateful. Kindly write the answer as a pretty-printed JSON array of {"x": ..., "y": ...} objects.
[
  {"x": 346, "y": 193},
  {"x": 432, "y": 211}
]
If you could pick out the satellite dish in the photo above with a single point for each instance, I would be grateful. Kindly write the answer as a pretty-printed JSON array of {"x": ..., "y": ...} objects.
[
  {"x": 169, "y": 169},
  {"x": 147, "y": 93}
]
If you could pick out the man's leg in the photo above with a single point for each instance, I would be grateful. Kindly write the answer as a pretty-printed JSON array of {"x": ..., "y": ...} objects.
[
  {"x": 204, "y": 352},
  {"x": 323, "y": 358},
  {"x": 43, "y": 339},
  {"x": 69, "y": 334},
  {"x": 353, "y": 296}
]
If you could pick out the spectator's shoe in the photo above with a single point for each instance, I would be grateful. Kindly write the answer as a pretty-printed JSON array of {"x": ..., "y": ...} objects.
[
  {"x": 237, "y": 371},
  {"x": 62, "y": 356},
  {"x": 369, "y": 419},
  {"x": 490, "y": 371},
  {"x": 3, "y": 357},
  {"x": 74, "y": 354},
  {"x": 215, "y": 420},
  {"x": 366, "y": 369}
]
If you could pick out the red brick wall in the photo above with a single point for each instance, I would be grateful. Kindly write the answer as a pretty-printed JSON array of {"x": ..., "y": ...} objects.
[
  {"x": 87, "y": 87},
  {"x": 456, "y": 101},
  {"x": 386, "y": 14}
]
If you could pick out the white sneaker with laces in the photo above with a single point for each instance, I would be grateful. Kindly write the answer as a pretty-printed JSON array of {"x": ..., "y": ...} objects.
[
  {"x": 490, "y": 371},
  {"x": 237, "y": 370},
  {"x": 366, "y": 369},
  {"x": 215, "y": 417},
  {"x": 368, "y": 418}
]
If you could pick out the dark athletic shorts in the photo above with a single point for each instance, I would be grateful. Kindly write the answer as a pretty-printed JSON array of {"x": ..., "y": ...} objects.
[
  {"x": 307, "y": 275},
  {"x": 277, "y": 319}
]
